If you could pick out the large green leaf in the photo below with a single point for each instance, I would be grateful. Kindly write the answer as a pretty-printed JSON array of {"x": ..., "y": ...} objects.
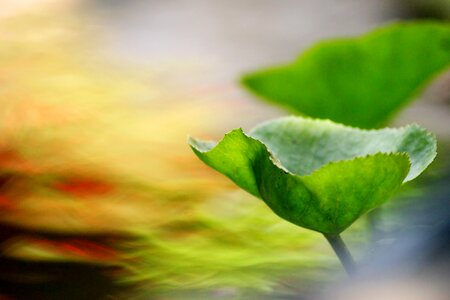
[
  {"x": 359, "y": 81},
  {"x": 318, "y": 174}
]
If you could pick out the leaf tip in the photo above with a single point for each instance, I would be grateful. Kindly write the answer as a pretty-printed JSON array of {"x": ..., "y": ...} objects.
[{"x": 200, "y": 145}]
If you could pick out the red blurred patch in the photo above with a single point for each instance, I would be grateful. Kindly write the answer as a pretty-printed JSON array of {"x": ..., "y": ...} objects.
[
  {"x": 6, "y": 156},
  {"x": 6, "y": 204},
  {"x": 79, "y": 247},
  {"x": 80, "y": 187},
  {"x": 11, "y": 160}
]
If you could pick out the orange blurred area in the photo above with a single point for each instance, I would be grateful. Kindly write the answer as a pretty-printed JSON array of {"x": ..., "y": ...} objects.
[
  {"x": 81, "y": 167},
  {"x": 95, "y": 172}
]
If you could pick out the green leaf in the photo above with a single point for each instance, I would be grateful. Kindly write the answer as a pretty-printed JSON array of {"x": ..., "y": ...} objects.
[
  {"x": 359, "y": 81},
  {"x": 318, "y": 174}
]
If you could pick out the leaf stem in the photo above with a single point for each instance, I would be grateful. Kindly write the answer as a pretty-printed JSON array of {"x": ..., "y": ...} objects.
[
  {"x": 373, "y": 219},
  {"x": 342, "y": 253}
]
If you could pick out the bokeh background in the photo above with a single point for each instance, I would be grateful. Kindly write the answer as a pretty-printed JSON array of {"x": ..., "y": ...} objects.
[{"x": 100, "y": 196}]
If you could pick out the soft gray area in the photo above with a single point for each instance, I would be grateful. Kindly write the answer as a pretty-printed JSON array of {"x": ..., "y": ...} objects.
[
  {"x": 222, "y": 39},
  {"x": 235, "y": 35}
]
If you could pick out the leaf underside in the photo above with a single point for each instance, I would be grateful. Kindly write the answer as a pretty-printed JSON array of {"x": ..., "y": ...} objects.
[
  {"x": 360, "y": 81},
  {"x": 318, "y": 174}
]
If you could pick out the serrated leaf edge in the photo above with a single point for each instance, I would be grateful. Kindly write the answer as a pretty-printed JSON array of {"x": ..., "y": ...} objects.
[{"x": 275, "y": 161}]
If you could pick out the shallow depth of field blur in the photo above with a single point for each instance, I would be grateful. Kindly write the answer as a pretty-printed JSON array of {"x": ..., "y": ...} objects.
[{"x": 100, "y": 196}]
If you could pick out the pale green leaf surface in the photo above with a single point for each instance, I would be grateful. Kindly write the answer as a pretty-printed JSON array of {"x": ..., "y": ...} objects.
[
  {"x": 303, "y": 145},
  {"x": 360, "y": 81},
  {"x": 318, "y": 174}
]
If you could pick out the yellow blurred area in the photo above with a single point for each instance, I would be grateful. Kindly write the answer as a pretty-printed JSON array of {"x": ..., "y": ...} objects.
[
  {"x": 68, "y": 114},
  {"x": 89, "y": 147},
  {"x": 13, "y": 8}
]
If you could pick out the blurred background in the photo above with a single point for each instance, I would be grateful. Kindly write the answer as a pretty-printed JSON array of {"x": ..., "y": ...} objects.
[{"x": 100, "y": 196}]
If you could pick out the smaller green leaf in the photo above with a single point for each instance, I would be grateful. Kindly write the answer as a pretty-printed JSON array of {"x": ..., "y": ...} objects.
[
  {"x": 361, "y": 81},
  {"x": 318, "y": 174}
]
